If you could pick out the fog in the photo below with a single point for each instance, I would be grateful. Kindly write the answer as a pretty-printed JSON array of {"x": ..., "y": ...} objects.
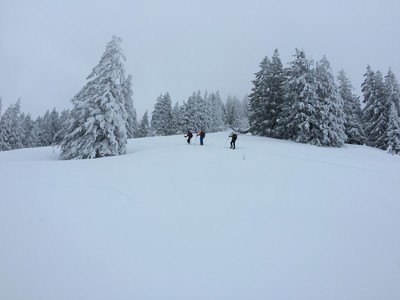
[{"x": 48, "y": 48}]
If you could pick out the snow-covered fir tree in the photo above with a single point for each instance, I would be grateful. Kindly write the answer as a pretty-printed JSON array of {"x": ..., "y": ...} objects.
[
  {"x": 175, "y": 118},
  {"x": 232, "y": 111},
  {"x": 352, "y": 111},
  {"x": 376, "y": 110},
  {"x": 144, "y": 126},
  {"x": 329, "y": 128},
  {"x": 257, "y": 99},
  {"x": 49, "y": 125},
  {"x": 393, "y": 133},
  {"x": 30, "y": 131},
  {"x": 162, "y": 120},
  {"x": 11, "y": 130},
  {"x": 63, "y": 119},
  {"x": 195, "y": 114},
  {"x": 97, "y": 124},
  {"x": 44, "y": 133},
  {"x": 216, "y": 111},
  {"x": 266, "y": 98},
  {"x": 131, "y": 123},
  {"x": 184, "y": 121},
  {"x": 237, "y": 114},
  {"x": 299, "y": 114},
  {"x": 392, "y": 90},
  {"x": 203, "y": 115}
]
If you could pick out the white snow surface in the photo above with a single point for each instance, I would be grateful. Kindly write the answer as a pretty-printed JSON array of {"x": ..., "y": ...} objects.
[{"x": 270, "y": 220}]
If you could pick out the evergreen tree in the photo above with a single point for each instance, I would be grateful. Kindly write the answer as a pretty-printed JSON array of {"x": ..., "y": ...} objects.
[
  {"x": 63, "y": 120},
  {"x": 237, "y": 114},
  {"x": 175, "y": 118},
  {"x": 162, "y": 120},
  {"x": 49, "y": 125},
  {"x": 97, "y": 124},
  {"x": 131, "y": 123},
  {"x": 329, "y": 129},
  {"x": 184, "y": 121},
  {"x": 376, "y": 110},
  {"x": 299, "y": 115},
  {"x": 144, "y": 126},
  {"x": 216, "y": 111},
  {"x": 258, "y": 99},
  {"x": 392, "y": 90},
  {"x": 393, "y": 130},
  {"x": 232, "y": 111},
  {"x": 11, "y": 130},
  {"x": 30, "y": 131},
  {"x": 196, "y": 114},
  {"x": 352, "y": 111},
  {"x": 266, "y": 99},
  {"x": 45, "y": 135},
  {"x": 276, "y": 79}
]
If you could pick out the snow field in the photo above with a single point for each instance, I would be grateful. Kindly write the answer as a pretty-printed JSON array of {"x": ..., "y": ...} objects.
[{"x": 271, "y": 219}]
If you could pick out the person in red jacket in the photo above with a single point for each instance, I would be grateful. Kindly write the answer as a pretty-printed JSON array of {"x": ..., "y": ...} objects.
[{"x": 202, "y": 135}]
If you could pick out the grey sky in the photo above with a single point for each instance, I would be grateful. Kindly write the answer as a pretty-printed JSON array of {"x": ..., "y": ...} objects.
[{"x": 47, "y": 48}]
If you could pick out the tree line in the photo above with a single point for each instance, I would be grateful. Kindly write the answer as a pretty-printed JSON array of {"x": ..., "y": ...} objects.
[
  {"x": 201, "y": 111},
  {"x": 303, "y": 102}
]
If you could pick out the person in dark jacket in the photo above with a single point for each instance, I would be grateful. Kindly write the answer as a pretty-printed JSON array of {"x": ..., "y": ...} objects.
[
  {"x": 202, "y": 135},
  {"x": 233, "y": 141},
  {"x": 189, "y": 136}
]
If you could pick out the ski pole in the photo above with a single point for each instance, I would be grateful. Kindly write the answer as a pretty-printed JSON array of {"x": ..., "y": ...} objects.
[
  {"x": 195, "y": 140},
  {"x": 226, "y": 141}
]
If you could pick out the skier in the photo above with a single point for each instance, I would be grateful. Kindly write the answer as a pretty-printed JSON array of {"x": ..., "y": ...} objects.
[
  {"x": 233, "y": 141},
  {"x": 202, "y": 135},
  {"x": 189, "y": 136}
]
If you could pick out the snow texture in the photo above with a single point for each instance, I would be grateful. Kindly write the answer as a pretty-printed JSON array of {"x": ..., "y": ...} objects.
[{"x": 272, "y": 219}]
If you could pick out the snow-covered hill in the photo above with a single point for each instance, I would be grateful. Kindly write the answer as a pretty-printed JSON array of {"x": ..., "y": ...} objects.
[{"x": 270, "y": 220}]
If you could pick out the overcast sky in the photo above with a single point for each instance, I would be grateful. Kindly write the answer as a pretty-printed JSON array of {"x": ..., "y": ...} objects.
[{"x": 48, "y": 48}]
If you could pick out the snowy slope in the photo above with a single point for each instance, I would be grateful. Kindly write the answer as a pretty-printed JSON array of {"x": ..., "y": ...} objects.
[{"x": 270, "y": 220}]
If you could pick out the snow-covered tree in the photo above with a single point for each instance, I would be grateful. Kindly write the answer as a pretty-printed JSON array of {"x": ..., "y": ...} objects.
[
  {"x": 233, "y": 110},
  {"x": 175, "y": 118},
  {"x": 329, "y": 128},
  {"x": 49, "y": 125},
  {"x": 63, "y": 120},
  {"x": 299, "y": 114},
  {"x": 144, "y": 126},
  {"x": 11, "y": 130},
  {"x": 131, "y": 123},
  {"x": 393, "y": 130},
  {"x": 162, "y": 120},
  {"x": 30, "y": 131},
  {"x": 216, "y": 111},
  {"x": 184, "y": 121},
  {"x": 352, "y": 111},
  {"x": 195, "y": 114},
  {"x": 258, "y": 98},
  {"x": 392, "y": 90},
  {"x": 266, "y": 98},
  {"x": 97, "y": 124},
  {"x": 237, "y": 113},
  {"x": 376, "y": 110}
]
